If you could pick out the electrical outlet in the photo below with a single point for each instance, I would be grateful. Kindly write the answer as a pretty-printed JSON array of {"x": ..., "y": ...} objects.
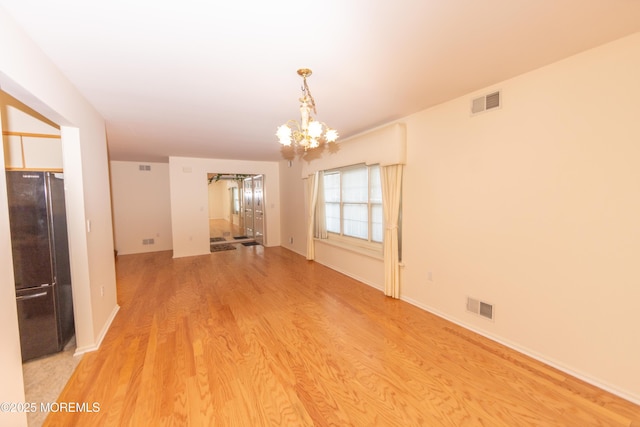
[
  {"x": 291, "y": 240},
  {"x": 101, "y": 291},
  {"x": 429, "y": 276}
]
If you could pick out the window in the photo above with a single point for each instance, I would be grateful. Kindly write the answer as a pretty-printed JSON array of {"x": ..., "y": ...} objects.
[
  {"x": 235, "y": 200},
  {"x": 353, "y": 202}
]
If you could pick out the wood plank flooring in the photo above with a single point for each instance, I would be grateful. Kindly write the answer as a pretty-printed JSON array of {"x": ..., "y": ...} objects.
[
  {"x": 262, "y": 337},
  {"x": 223, "y": 228}
]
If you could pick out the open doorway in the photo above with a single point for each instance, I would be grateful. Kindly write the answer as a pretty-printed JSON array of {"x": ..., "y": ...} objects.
[
  {"x": 40, "y": 250},
  {"x": 236, "y": 209}
]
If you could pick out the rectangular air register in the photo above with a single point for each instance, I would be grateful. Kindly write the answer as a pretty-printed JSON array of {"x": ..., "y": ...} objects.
[
  {"x": 487, "y": 102},
  {"x": 144, "y": 168},
  {"x": 480, "y": 308}
]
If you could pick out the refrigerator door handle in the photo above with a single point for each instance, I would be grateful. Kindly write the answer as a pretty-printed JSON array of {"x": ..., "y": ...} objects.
[{"x": 25, "y": 297}]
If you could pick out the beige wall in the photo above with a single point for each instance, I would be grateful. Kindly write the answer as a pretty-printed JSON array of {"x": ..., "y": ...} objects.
[
  {"x": 218, "y": 200},
  {"x": 190, "y": 204},
  {"x": 534, "y": 208},
  {"x": 27, "y": 75},
  {"x": 23, "y": 151},
  {"x": 24, "y": 119},
  {"x": 293, "y": 212},
  {"x": 141, "y": 207}
]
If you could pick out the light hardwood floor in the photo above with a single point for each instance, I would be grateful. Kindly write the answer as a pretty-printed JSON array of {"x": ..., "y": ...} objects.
[
  {"x": 261, "y": 337},
  {"x": 223, "y": 228}
]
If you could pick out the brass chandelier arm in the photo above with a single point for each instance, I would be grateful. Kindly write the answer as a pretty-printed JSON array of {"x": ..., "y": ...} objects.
[{"x": 294, "y": 125}]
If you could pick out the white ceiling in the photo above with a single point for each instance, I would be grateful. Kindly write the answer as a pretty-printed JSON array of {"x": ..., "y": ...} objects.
[{"x": 214, "y": 79}]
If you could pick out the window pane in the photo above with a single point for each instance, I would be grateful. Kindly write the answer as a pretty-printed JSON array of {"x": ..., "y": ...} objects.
[
  {"x": 355, "y": 187},
  {"x": 332, "y": 187},
  {"x": 376, "y": 223},
  {"x": 376, "y": 186},
  {"x": 356, "y": 220},
  {"x": 332, "y": 213}
]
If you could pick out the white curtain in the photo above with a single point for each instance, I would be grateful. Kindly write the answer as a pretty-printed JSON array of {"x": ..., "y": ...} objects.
[
  {"x": 312, "y": 198},
  {"x": 391, "y": 179},
  {"x": 320, "y": 227}
]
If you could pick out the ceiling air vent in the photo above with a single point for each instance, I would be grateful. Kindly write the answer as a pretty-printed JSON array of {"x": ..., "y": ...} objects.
[
  {"x": 485, "y": 103},
  {"x": 144, "y": 167}
]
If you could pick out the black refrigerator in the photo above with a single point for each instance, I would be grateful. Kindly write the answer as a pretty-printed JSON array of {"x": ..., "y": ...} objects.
[{"x": 40, "y": 250}]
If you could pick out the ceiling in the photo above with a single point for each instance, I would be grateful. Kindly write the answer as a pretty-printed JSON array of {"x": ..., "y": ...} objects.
[{"x": 212, "y": 79}]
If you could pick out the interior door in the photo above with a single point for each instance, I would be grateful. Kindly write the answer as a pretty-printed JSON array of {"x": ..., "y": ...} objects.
[
  {"x": 247, "y": 193},
  {"x": 258, "y": 208}
]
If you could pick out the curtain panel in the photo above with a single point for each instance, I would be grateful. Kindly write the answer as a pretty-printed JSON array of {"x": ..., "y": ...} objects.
[
  {"x": 312, "y": 198},
  {"x": 320, "y": 223},
  {"x": 391, "y": 180}
]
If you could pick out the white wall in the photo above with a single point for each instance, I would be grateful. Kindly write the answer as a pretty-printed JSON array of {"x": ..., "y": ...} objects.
[
  {"x": 30, "y": 77},
  {"x": 141, "y": 207},
  {"x": 533, "y": 208},
  {"x": 189, "y": 200}
]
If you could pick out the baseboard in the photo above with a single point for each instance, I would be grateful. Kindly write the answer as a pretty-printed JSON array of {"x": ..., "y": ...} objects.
[
  {"x": 88, "y": 349},
  {"x": 353, "y": 276},
  {"x": 559, "y": 366},
  {"x": 339, "y": 270},
  {"x": 294, "y": 251}
]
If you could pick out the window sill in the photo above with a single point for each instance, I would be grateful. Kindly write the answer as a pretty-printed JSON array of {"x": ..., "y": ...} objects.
[{"x": 372, "y": 253}]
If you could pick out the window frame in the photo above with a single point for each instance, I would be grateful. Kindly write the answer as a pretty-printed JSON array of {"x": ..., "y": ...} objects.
[{"x": 341, "y": 237}]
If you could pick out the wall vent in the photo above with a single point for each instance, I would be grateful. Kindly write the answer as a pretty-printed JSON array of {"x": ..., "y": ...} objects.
[
  {"x": 144, "y": 168},
  {"x": 480, "y": 308},
  {"x": 148, "y": 241},
  {"x": 487, "y": 102}
]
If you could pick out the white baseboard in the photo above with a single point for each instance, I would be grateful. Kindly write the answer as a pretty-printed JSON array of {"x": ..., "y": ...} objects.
[
  {"x": 586, "y": 378},
  {"x": 89, "y": 348},
  {"x": 353, "y": 276}
]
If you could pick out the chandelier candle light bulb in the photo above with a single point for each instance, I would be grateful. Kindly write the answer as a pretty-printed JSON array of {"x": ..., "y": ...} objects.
[{"x": 309, "y": 132}]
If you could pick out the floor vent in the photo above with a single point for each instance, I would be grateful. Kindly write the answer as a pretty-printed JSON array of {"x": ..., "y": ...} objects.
[
  {"x": 485, "y": 103},
  {"x": 480, "y": 308}
]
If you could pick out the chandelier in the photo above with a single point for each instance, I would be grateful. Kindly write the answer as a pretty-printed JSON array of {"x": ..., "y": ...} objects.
[{"x": 309, "y": 133}]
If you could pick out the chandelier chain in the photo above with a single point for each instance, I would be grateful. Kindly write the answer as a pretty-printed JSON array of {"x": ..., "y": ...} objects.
[{"x": 307, "y": 92}]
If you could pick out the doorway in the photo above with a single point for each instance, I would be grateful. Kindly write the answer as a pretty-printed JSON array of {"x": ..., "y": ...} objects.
[
  {"x": 37, "y": 221},
  {"x": 236, "y": 208},
  {"x": 253, "y": 208}
]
